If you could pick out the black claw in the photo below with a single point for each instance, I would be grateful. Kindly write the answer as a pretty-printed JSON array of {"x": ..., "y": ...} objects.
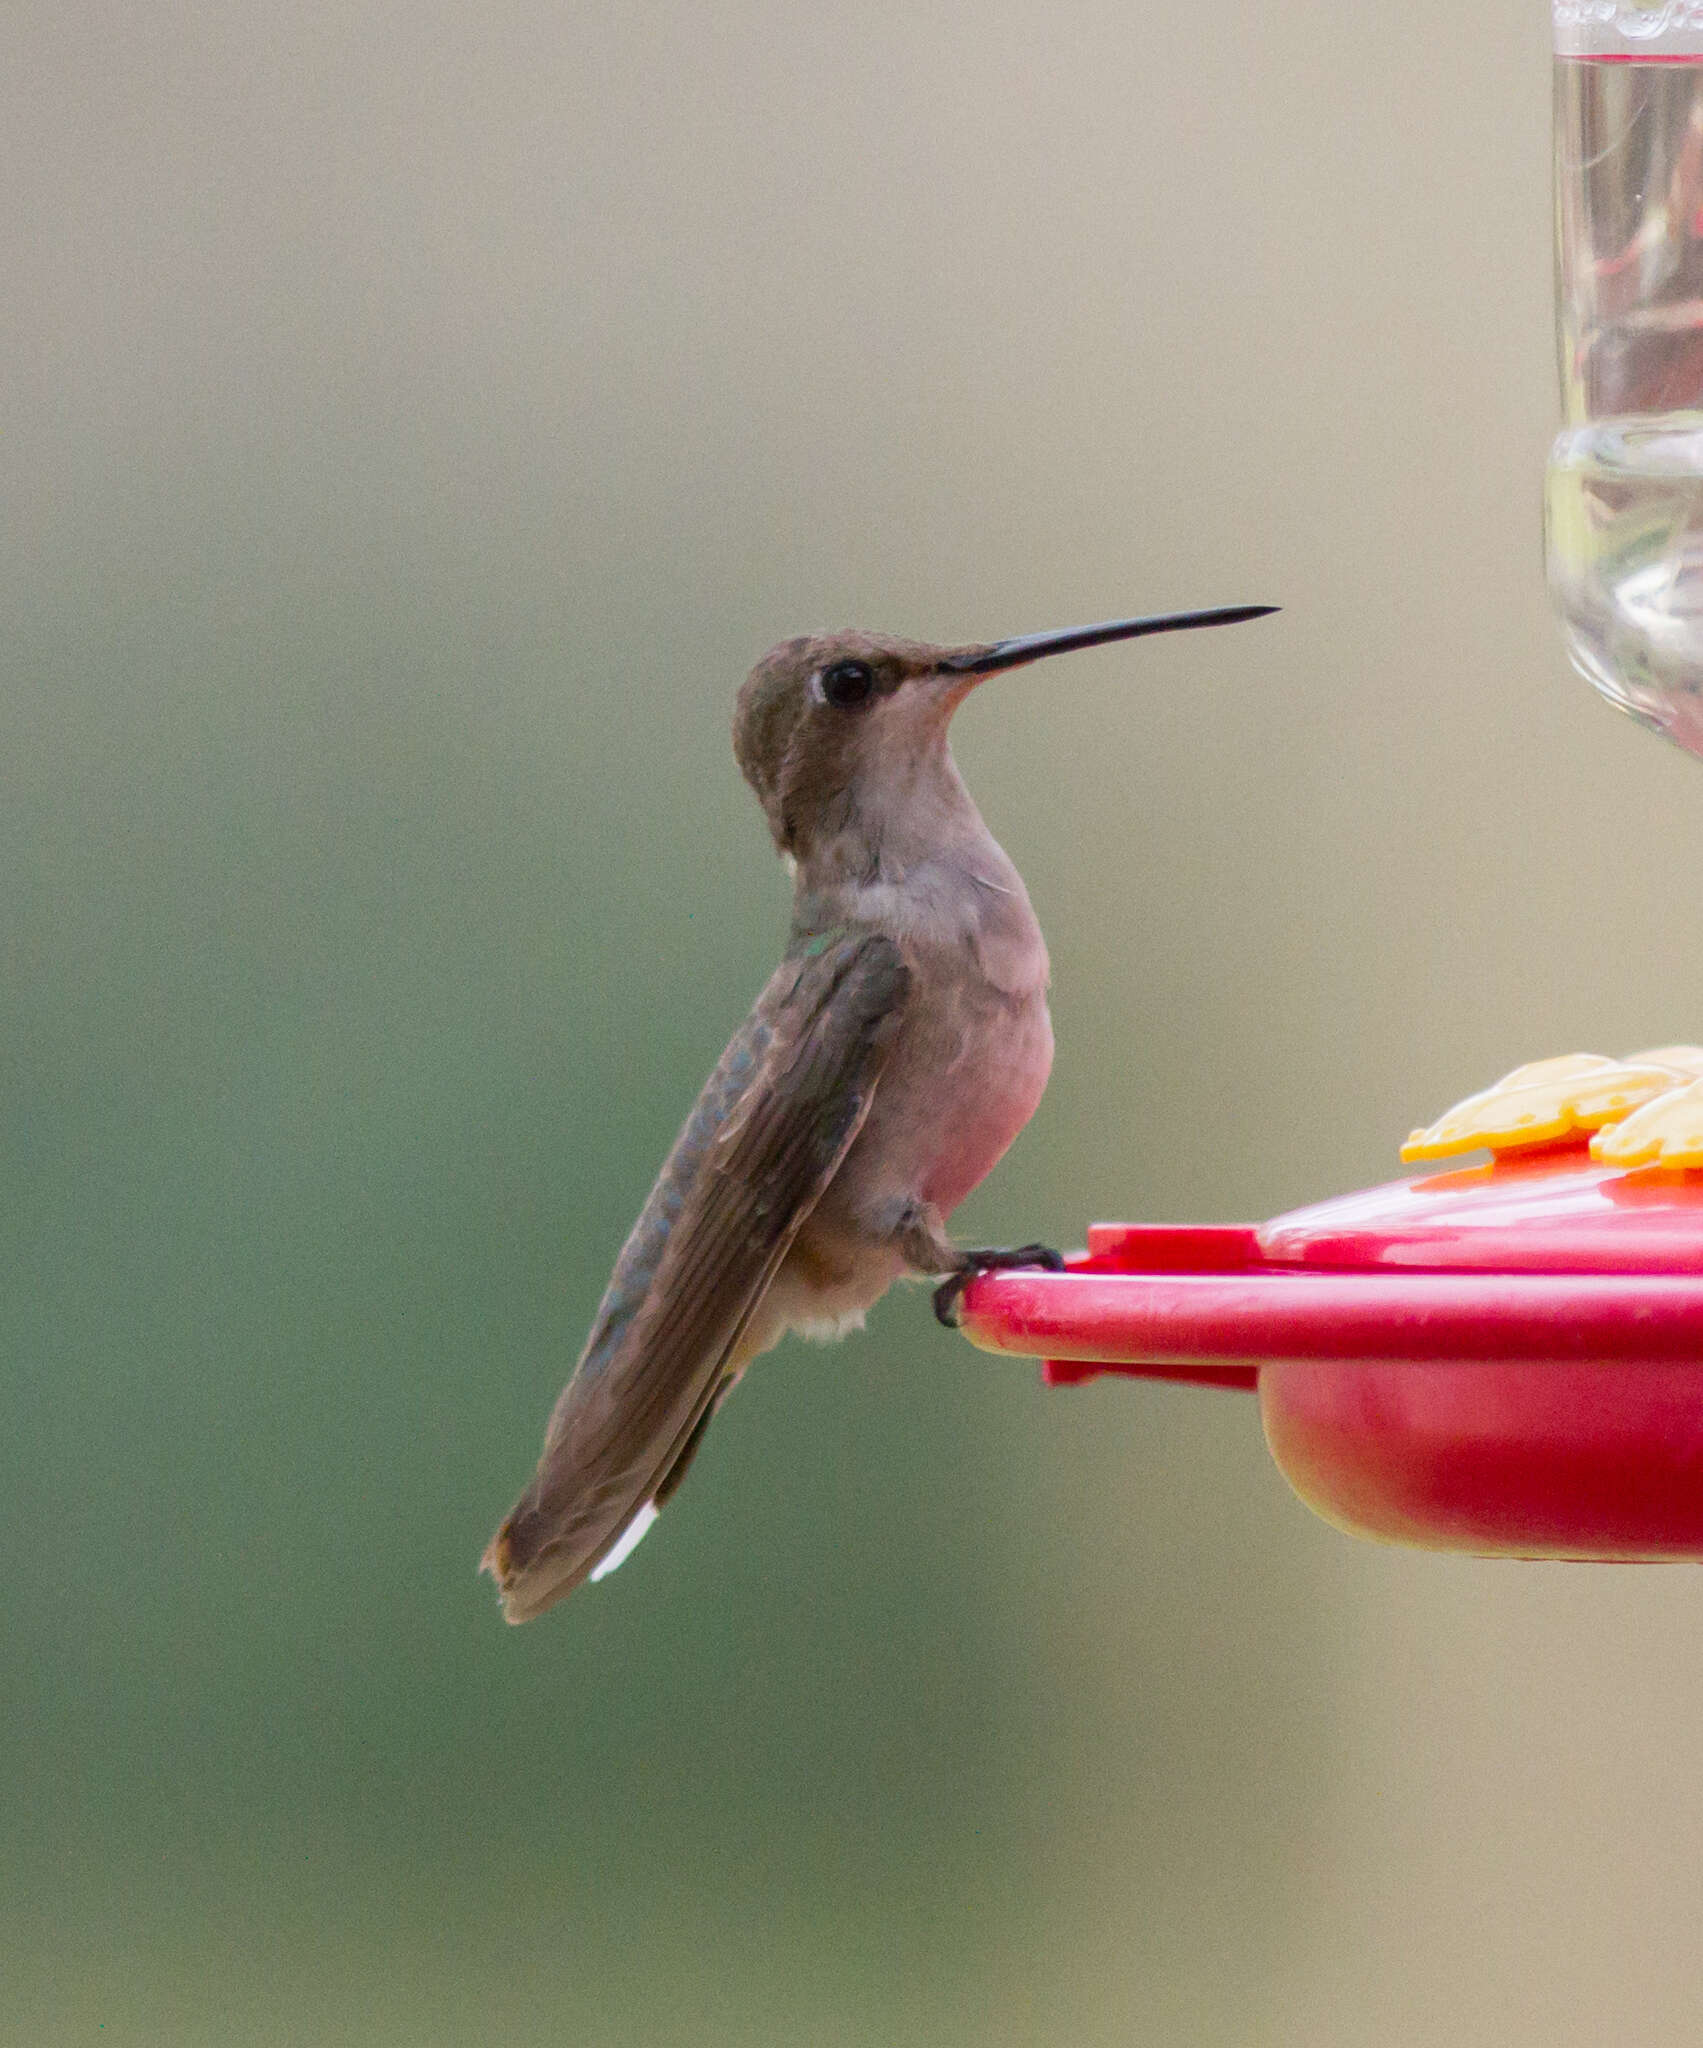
[
  {"x": 1041, "y": 1255},
  {"x": 948, "y": 1296}
]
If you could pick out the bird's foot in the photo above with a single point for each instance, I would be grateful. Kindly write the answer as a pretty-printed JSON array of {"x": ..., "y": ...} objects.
[{"x": 948, "y": 1295}]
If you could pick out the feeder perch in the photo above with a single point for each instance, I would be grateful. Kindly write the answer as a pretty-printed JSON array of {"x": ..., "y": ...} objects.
[{"x": 1505, "y": 1359}]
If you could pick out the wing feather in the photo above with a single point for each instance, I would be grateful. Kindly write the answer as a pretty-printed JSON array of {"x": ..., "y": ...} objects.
[{"x": 768, "y": 1133}]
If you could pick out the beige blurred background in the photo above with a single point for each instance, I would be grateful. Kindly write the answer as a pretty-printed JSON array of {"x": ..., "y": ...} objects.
[{"x": 415, "y": 420}]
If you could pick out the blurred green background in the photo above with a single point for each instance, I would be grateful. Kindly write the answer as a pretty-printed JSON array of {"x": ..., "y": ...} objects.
[{"x": 415, "y": 420}]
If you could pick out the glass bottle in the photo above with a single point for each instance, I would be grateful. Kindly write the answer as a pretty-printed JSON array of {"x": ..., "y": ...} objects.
[{"x": 1624, "y": 503}]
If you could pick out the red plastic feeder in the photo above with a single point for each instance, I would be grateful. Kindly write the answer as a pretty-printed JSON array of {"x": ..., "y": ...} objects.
[{"x": 1506, "y": 1360}]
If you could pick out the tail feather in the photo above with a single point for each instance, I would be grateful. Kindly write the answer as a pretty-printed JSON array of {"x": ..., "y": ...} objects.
[{"x": 627, "y": 1542}]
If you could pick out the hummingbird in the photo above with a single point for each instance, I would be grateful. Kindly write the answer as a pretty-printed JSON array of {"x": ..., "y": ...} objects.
[{"x": 898, "y": 1049}]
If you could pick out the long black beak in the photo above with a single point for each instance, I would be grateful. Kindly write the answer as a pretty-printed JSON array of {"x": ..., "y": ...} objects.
[{"x": 982, "y": 661}]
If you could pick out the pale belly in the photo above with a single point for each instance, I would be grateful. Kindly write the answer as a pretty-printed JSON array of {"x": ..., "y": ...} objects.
[
  {"x": 940, "y": 1128},
  {"x": 970, "y": 1117}
]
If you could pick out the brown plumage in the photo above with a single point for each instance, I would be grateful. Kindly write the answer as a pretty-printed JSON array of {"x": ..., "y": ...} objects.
[{"x": 899, "y": 1048}]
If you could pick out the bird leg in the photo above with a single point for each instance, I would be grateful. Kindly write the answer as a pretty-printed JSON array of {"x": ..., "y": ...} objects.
[
  {"x": 921, "y": 1236},
  {"x": 989, "y": 1259}
]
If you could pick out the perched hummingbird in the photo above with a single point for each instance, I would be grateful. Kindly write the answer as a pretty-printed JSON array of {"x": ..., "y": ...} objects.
[{"x": 900, "y": 1046}]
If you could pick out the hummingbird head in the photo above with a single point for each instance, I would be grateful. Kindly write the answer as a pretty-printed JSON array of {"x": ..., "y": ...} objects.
[
  {"x": 826, "y": 722},
  {"x": 833, "y": 731}
]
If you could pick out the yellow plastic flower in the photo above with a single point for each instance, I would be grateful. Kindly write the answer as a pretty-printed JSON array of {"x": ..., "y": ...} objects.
[
  {"x": 1551, "y": 1100},
  {"x": 1667, "y": 1131}
]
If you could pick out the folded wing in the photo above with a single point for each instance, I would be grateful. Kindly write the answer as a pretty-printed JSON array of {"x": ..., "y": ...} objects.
[{"x": 768, "y": 1133}]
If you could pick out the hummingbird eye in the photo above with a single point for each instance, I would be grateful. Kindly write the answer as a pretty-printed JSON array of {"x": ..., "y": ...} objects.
[{"x": 848, "y": 684}]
